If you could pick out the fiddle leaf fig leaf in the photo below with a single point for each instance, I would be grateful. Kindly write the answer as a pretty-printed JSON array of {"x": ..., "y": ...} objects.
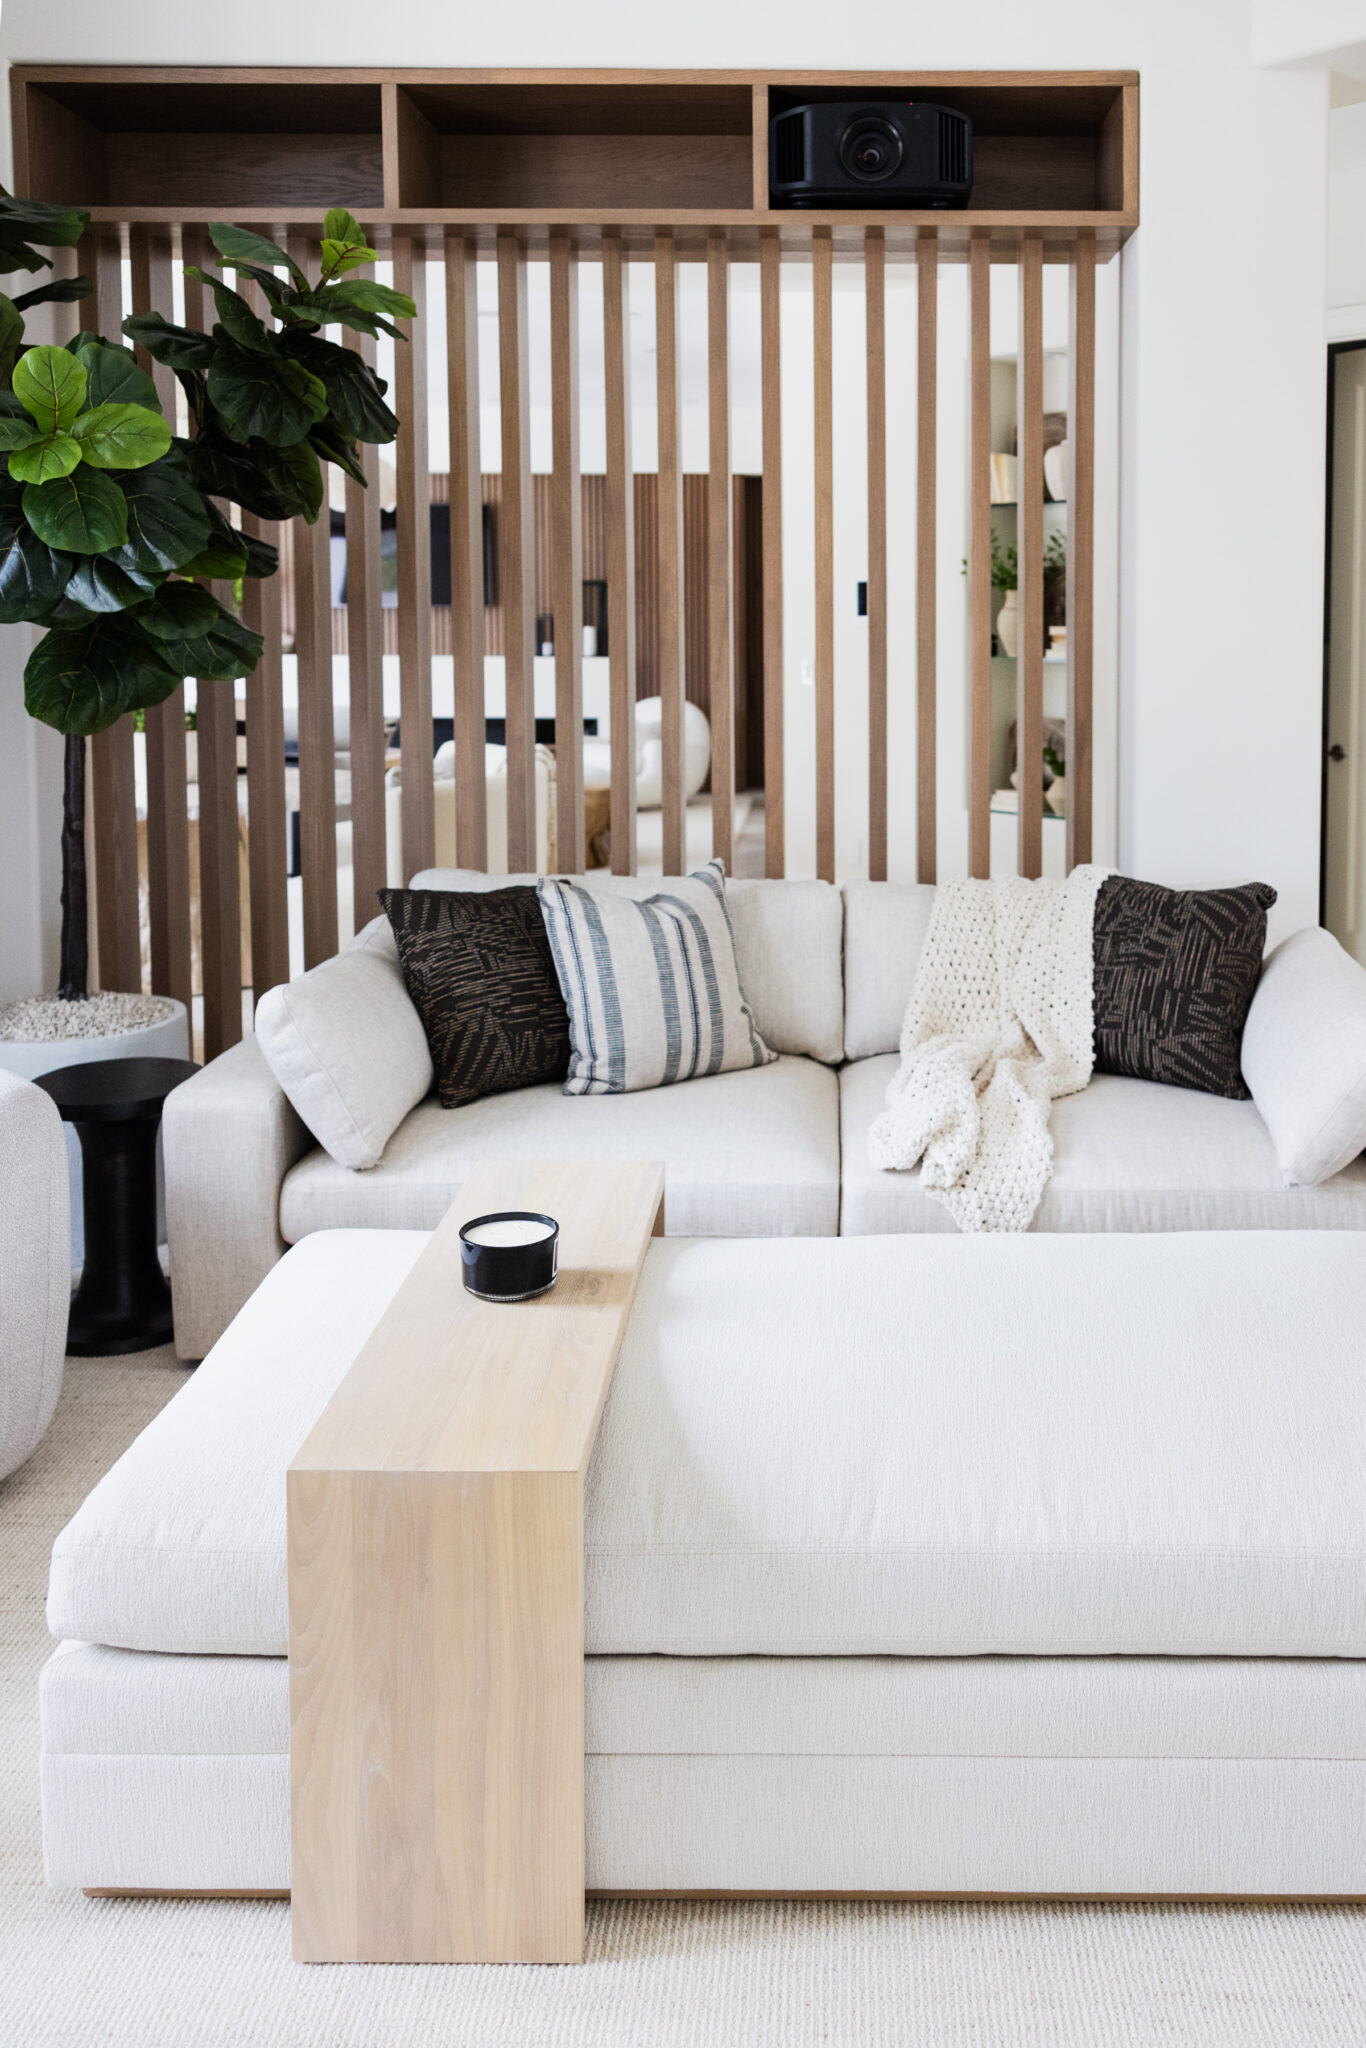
[
  {"x": 81, "y": 678},
  {"x": 54, "y": 455},
  {"x": 121, "y": 436},
  {"x": 32, "y": 575},
  {"x": 354, "y": 393},
  {"x": 50, "y": 384},
  {"x": 265, "y": 397},
  {"x": 116, "y": 377},
  {"x": 58, "y": 291},
  {"x": 344, "y": 244},
  {"x": 235, "y": 316},
  {"x": 180, "y": 348},
  {"x": 56, "y": 227},
  {"x": 239, "y": 247},
  {"x": 179, "y": 611},
  {"x": 219, "y": 651},
  {"x": 168, "y": 520},
  {"x": 104, "y": 583},
  {"x": 226, "y": 553},
  {"x": 18, "y": 433},
  {"x": 83, "y": 513}
]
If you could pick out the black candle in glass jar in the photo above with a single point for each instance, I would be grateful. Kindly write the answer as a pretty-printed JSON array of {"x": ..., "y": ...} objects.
[{"x": 509, "y": 1256}]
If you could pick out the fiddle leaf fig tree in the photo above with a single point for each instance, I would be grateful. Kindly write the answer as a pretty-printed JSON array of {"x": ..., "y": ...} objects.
[{"x": 108, "y": 516}]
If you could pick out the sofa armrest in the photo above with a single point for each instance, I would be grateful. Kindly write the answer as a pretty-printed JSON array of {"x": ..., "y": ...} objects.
[
  {"x": 229, "y": 1137},
  {"x": 1304, "y": 1056}
]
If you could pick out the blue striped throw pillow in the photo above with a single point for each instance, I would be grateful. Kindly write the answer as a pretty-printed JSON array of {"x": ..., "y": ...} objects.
[{"x": 651, "y": 986}]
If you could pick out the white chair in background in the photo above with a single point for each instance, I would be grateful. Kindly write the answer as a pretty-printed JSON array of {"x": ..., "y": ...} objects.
[{"x": 496, "y": 800}]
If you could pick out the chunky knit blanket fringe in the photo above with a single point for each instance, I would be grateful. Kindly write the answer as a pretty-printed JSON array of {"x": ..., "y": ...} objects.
[{"x": 998, "y": 1024}]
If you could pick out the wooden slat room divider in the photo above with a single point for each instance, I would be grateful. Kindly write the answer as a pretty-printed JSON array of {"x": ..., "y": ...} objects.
[{"x": 670, "y": 631}]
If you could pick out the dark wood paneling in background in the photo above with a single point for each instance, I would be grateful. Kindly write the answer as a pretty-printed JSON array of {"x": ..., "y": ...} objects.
[
  {"x": 414, "y": 567},
  {"x": 979, "y": 559},
  {"x": 1029, "y": 663},
  {"x": 926, "y": 552},
  {"x": 114, "y": 818},
  {"x": 168, "y": 833},
  {"x": 1081, "y": 548}
]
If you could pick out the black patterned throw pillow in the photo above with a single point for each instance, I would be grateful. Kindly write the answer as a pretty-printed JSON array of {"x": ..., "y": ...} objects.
[
  {"x": 1175, "y": 973},
  {"x": 478, "y": 968}
]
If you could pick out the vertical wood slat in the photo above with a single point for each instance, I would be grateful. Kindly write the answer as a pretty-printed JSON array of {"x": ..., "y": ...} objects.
[
  {"x": 671, "y": 627},
  {"x": 1081, "y": 546},
  {"x": 770, "y": 257},
  {"x": 467, "y": 550},
  {"x": 822, "y": 270},
  {"x": 365, "y": 676},
  {"x": 317, "y": 724},
  {"x": 220, "y": 888},
  {"x": 567, "y": 554},
  {"x": 720, "y": 644},
  {"x": 516, "y": 553},
  {"x": 113, "y": 786},
  {"x": 926, "y": 550},
  {"x": 979, "y": 557},
  {"x": 875, "y": 301},
  {"x": 267, "y": 853},
  {"x": 1029, "y": 491},
  {"x": 621, "y": 550},
  {"x": 168, "y": 830},
  {"x": 418, "y": 832}
]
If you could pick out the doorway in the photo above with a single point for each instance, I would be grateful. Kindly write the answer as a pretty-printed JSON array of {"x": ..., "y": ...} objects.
[{"x": 1342, "y": 896}]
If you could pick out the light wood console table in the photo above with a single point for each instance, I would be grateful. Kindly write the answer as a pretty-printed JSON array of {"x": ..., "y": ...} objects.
[{"x": 436, "y": 1595}]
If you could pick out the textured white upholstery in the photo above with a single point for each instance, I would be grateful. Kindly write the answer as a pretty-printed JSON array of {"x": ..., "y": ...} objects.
[
  {"x": 229, "y": 1136},
  {"x": 981, "y": 1774},
  {"x": 884, "y": 930},
  {"x": 1304, "y": 1056},
  {"x": 753, "y": 1153},
  {"x": 1146, "y": 1445},
  {"x": 1128, "y": 1155},
  {"x": 346, "y": 1044},
  {"x": 35, "y": 1265},
  {"x": 787, "y": 950}
]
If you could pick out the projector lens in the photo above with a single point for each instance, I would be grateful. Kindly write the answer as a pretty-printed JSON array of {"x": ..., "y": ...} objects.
[{"x": 870, "y": 148}]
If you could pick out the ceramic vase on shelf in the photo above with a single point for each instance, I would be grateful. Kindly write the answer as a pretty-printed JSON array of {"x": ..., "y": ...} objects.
[
  {"x": 1008, "y": 624},
  {"x": 1055, "y": 796}
]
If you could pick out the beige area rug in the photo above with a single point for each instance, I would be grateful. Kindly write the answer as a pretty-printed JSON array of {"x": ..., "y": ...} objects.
[{"x": 156, "y": 1974}]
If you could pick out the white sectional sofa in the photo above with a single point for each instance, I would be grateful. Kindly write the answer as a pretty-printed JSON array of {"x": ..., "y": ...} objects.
[{"x": 774, "y": 1151}]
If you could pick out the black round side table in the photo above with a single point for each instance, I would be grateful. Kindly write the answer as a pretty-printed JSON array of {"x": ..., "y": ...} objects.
[{"x": 122, "y": 1302}]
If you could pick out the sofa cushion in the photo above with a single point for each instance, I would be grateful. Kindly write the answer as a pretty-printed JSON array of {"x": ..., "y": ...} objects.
[
  {"x": 1124, "y": 1444},
  {"x": 1175, "y": 972},
  {"x": 347, "y": 1046},
  {"x": 788, "y": 937},
  {"x": 650, "y": 983},
  {"x": 1128, "y": 1155},
  {"x": 1304, "y": 1056},
  {"x": 884, "y": 929},
  {"x": 749, "y": 1154},
  {"x": 478, "y": 968}
]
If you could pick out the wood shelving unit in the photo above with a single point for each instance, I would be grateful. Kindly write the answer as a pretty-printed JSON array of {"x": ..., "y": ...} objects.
[{"x": 1056, "y": 152}]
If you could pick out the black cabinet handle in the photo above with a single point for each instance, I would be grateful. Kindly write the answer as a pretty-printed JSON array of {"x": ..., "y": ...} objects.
[{"x": 1337, "y": 753}]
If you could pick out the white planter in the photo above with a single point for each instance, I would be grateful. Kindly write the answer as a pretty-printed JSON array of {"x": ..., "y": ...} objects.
[{"x": 168, "y": 1039}]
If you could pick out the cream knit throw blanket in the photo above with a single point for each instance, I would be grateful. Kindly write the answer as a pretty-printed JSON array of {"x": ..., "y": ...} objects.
[{"x": 999, "y": 1022}]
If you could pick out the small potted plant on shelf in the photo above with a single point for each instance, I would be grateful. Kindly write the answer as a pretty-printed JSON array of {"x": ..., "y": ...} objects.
[{"x": 111, "y": 527}]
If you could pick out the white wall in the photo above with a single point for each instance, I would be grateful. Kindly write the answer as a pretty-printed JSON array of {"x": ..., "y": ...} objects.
[{"x": 1223, "y": 289}]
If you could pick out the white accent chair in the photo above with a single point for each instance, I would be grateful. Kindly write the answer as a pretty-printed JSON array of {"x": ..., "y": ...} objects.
[
  {"x": 443, "y": 808},
  {"x": 35, "y": 1246}
]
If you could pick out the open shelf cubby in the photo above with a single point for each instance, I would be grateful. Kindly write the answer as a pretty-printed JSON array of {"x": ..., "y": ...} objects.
[{"x": 1056, "y": 152}]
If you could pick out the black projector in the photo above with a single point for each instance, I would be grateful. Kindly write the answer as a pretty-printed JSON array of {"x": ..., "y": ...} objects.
[{"x": 870, "y": 153}]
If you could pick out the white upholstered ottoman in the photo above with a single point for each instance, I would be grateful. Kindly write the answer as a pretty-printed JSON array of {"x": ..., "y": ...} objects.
[{"x": 912, "y": 1564}]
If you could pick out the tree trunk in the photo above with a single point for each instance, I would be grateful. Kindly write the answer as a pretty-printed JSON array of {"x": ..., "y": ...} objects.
[{"x": 71, "y": 986}]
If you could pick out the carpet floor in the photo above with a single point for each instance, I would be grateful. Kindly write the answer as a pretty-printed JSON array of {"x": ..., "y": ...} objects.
[{"x": 158, "y": 1974}]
